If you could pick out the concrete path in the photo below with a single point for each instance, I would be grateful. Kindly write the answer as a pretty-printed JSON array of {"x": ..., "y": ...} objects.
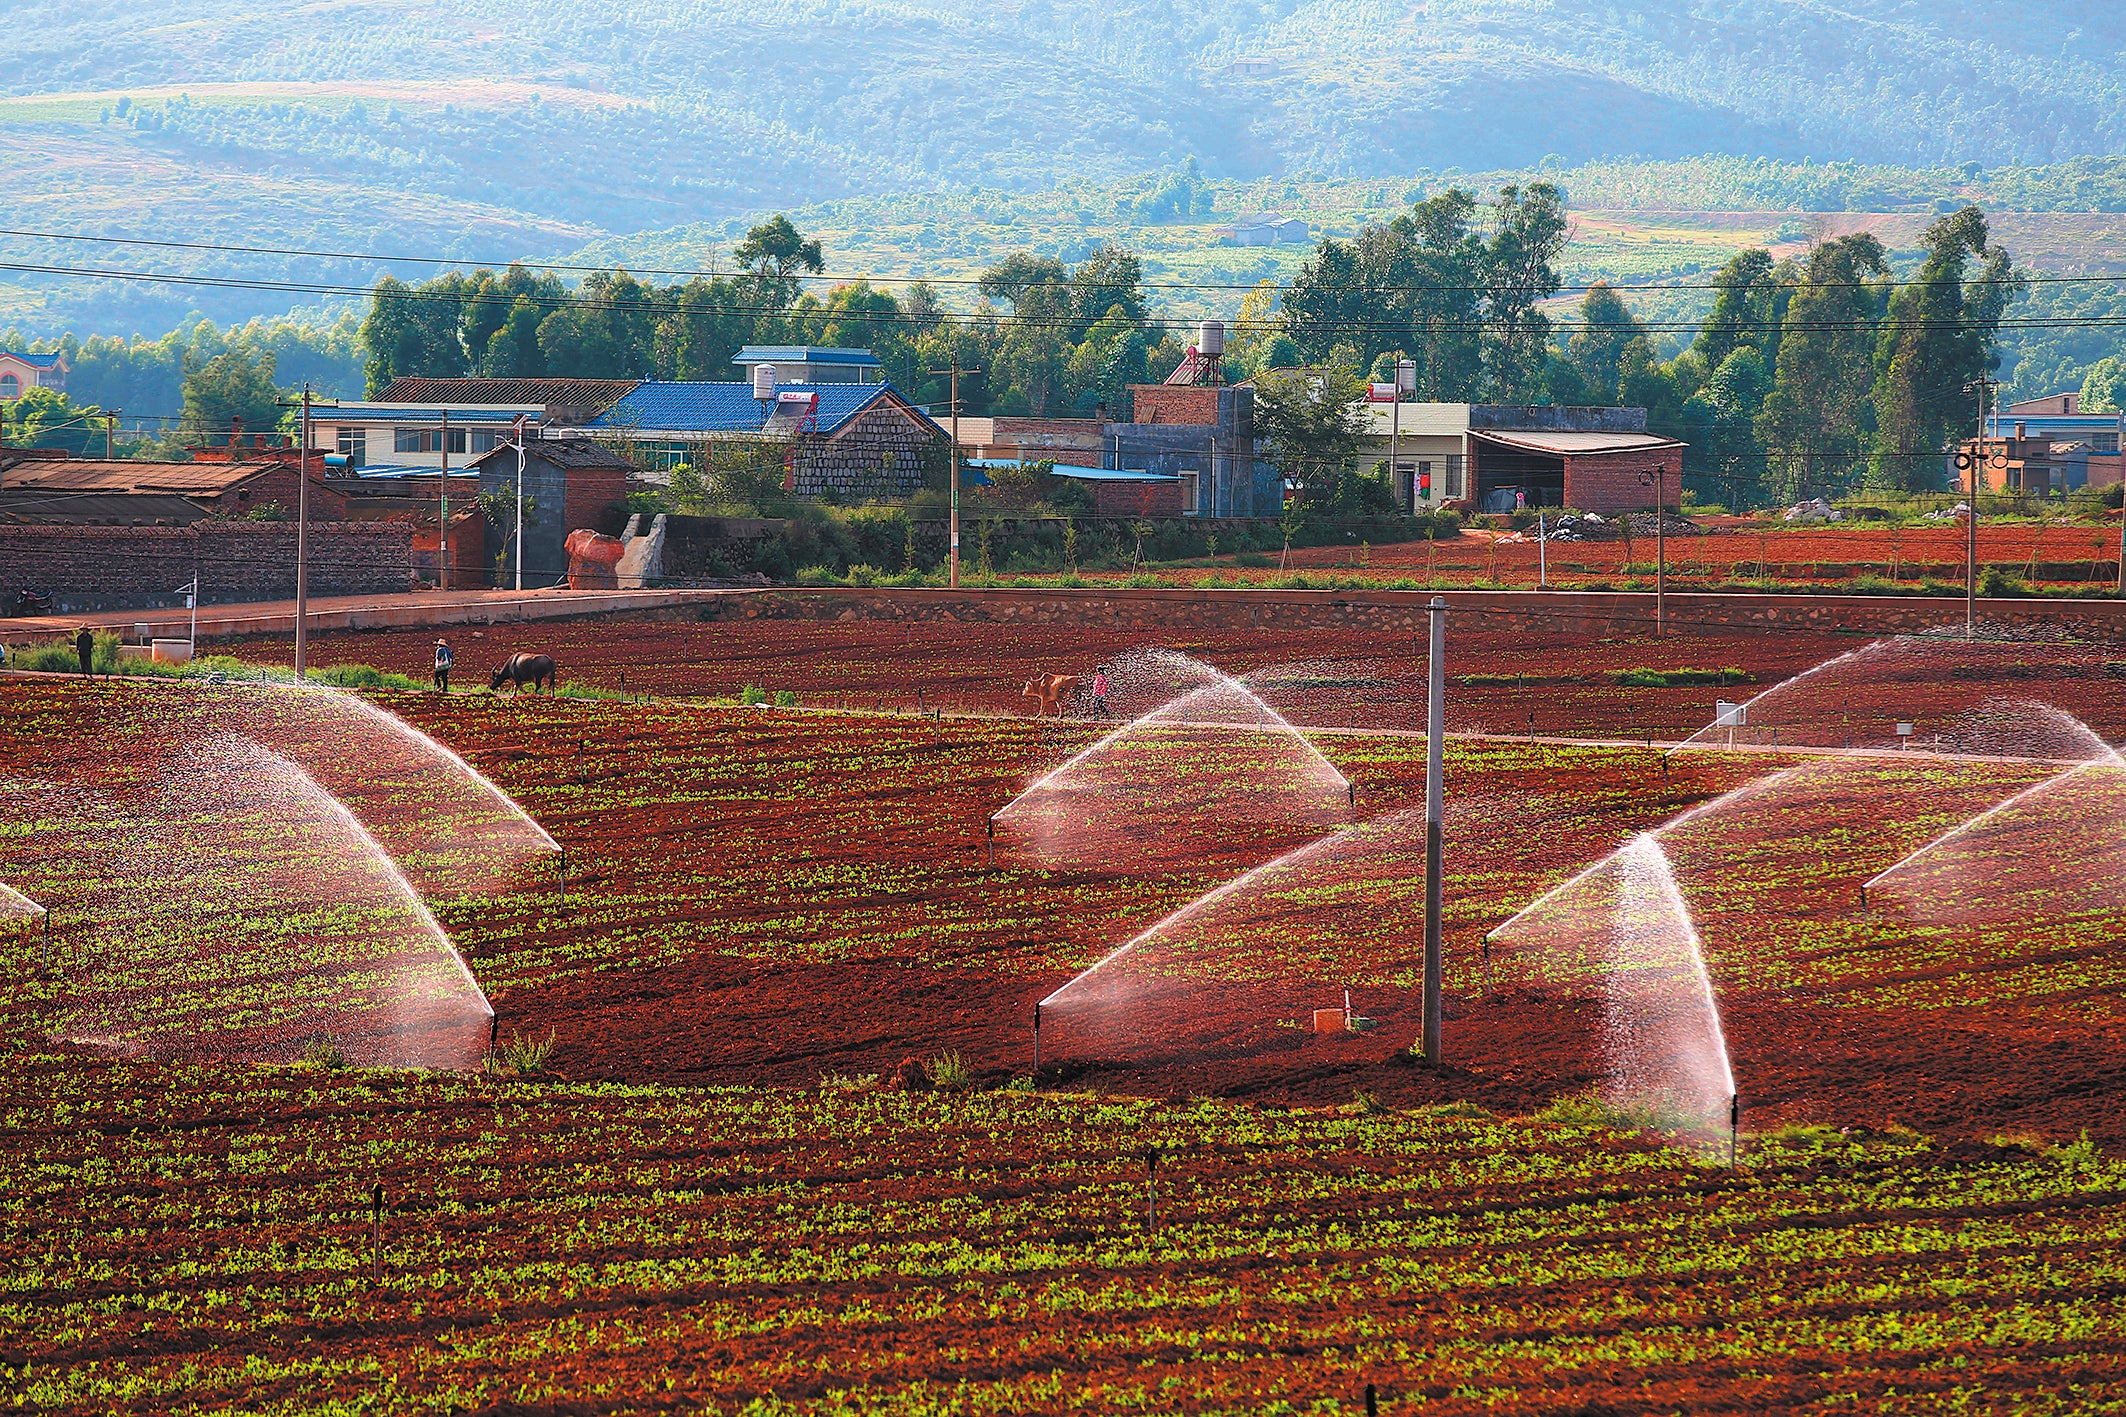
[{"x": 415, "y": 610}]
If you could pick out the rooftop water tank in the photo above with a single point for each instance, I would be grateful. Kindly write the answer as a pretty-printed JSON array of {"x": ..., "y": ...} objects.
[
  {"x": 1210, "y": 339},
  {"x": 764, "y": 382}
]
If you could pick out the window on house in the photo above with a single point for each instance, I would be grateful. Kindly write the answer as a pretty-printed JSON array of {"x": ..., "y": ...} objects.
[
  {"x": 354, "y": 444},
  {"x": 2104, "y": 443},
  {"x": 1455, "y": 472},
  {"x": 484, "y": 440},
  {"x": 413, "y": 440},
  {"x": 10, "y": 387}
]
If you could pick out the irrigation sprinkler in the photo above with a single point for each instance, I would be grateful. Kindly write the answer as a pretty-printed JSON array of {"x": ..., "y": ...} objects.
[
  {"x": 1487, "y": 964},
  {"x": 561, "y": 864},
  {"x": 1037, "y": 1044},
  {"x": 1372, "y": 1402},
  {"x": 1435, "y": 747},
  {"x": 494, "y": 1023},
  {"x": 1351, "y": 795},
  {"x": 376, "y": 1240},
  {"x": 1151, "y": 1190},
  {"x": 1863, "y": 900},
  {"x": 1734, "y": 1125},
  {"x": 991, "y": 823}
]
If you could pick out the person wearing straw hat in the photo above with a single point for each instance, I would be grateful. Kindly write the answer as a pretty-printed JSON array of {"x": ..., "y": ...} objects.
[
  {"x": 443, "y": 659},
  {"x": 85, "y": 646}
]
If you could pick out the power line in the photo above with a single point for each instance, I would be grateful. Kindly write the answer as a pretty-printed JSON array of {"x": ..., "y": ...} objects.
[
  {"x": 657, "y": 306},
  {"x": 838, "y": 278}
]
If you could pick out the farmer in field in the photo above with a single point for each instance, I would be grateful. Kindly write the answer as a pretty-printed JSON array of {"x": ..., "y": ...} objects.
[
  {"x": 85, "y": 646},
  {"x": 1100, "y": 692},
  {"x": 443, "y": 662}
]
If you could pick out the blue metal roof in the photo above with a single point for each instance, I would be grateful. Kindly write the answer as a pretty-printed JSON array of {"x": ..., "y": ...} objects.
[
  {"x": 805, "y": 354},
  {"x": 701, "y": 407},
  {"x": 50, "y": 361},
  {"x": 1081, "y": 473}
]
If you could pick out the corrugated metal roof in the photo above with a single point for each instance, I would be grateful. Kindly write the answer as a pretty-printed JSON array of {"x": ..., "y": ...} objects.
[
  {"x": 54, "y": 508},
  {"x": 805, "y": 354},
  {"x": 569, "y": 399},
  {"x": 185, "y": 479},
  {"x": 1578, "y": 444},
  {"x": 45, "y": 361},
  {"x": 702, "y": 407},
  {"x": 1080, "y": 473},
  {"x": 462, "y": 415}
]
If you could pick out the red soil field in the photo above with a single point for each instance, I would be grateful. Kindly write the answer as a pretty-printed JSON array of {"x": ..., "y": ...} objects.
[
  {"x": 763, "y": 895},
  {"x": 1562, "y": 683}
]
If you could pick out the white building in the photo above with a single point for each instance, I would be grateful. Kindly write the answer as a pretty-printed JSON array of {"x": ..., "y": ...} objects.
[{"x": 408, "y": 437}]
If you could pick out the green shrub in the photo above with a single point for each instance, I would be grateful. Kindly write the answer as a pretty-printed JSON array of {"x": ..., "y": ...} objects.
[
  {"x": 574, "y": 690},
  {"x": 521, "y": 1056},
  {"x": 752, "y": 694},
  {"x": 786, "y": 698},
  {"x": 1677, "y": 678},
  {"x": 948, "y": 1072},
  {"x": 1995, "y": 582},
  {"x": 362, "y": 676},
  {"x": 322, "y": 1052}
]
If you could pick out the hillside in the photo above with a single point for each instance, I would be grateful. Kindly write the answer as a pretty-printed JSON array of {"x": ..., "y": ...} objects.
[{"x": 470, "y": 127}]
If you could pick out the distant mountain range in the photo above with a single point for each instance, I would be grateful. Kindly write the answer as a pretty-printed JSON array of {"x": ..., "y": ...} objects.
[{"x": 469, "y": 128}]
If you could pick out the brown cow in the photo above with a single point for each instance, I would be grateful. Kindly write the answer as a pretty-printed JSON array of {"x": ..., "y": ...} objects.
[{"x": 1049, "y": 691}]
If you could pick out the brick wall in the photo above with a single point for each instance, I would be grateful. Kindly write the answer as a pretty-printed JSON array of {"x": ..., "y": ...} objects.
[
  {"x": 121, "y": 567},
  {"x": 469, "y": 566},
  {"x": 1137, "y": 499},
  {"x": 591, "y": 491},
  {"x": 852, "y": 463},
  {"x": 1609, "y": 482},
  {"x": 1173, "y": 403}
]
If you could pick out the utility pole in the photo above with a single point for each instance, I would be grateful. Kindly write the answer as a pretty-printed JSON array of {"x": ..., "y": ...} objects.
[
  {"x": 110, "y": 435},
  {"x": 1985, "y": 387},
  {"x": 955, "y": 371},
  {"x": 1435, "y": 723},
  {"x": 1660, "y": 550},
  {"x": 1405, "y": 373},
  {"x": 443, "y": 523},
  {"x": 302, "y": 545}
]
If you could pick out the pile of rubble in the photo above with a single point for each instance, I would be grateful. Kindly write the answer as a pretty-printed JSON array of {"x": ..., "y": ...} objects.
[
  {"x": 1814, "y": 510},
  {"x": 1592, "y": 526}
]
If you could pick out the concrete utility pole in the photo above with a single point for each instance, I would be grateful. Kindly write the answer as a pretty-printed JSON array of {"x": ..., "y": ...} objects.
[
  {"x": 110, "y": 435},
  {"x": 1435, "y": 725},
  {"x": 520, "y": 501},
  {"x": 1405, "y": 381},
  {"x": 302, "y": 545},
  {"x": 1660, "y": 550},
  {"x": 1984, "y": 388},
  {"x": 443, "y": 525},
  {"x": 955, "y": 371}
]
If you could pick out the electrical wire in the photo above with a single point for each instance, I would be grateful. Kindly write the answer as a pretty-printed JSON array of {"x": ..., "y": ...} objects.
[
  {"x": 840, "y": 278},
  {"x": 978, "y": 320}
]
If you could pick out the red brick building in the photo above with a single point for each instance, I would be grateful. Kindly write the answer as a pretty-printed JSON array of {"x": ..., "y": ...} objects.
[{"x": 1601, "y": 472}]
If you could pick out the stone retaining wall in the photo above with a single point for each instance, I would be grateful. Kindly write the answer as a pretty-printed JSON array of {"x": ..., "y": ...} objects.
[{"x": 1569, "y": 612}]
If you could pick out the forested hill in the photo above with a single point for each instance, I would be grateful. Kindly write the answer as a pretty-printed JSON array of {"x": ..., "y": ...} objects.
[{"x": 639, "y": 116}]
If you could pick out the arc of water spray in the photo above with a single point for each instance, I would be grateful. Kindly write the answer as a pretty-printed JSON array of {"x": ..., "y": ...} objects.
[
  {"x": 422, "y": 742},
  {"x": 408, "y": 896},
  {"x": 1788, "y": 683},
  {"x": 1747, "y": 789},
  {"x": 1168, "y": 713},
  {"x": 1647, "y": 848},
  {"x": 2111, "y": 758},
  {"x": 1201, "y": 902}
]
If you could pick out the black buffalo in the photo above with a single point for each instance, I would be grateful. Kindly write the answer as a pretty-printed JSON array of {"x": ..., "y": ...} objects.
[{"x": 522, "y": 669}]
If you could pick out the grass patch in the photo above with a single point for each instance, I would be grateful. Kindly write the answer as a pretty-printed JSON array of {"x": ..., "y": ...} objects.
[{"x": 1677, "y": 678}]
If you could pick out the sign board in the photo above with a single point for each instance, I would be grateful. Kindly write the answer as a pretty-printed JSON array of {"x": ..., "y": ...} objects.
[
  {"x": 1727, "y": 715},
  {"x": 1904, "y": 730}
]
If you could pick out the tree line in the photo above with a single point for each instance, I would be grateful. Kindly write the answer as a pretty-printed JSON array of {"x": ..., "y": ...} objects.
[{"x": 1046, "y": 338}]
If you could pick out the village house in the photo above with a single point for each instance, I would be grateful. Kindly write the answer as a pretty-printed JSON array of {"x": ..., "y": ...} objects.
[
  {"x": 21, "y": 372},
  {"x": 1497, "y": 458}
]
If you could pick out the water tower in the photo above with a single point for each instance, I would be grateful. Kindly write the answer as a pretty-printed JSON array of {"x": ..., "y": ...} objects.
[{"x": 1210, "y": 351}]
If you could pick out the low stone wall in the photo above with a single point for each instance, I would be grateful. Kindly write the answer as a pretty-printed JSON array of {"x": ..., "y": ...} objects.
[
  {"x": 1567, "y": 612},
  {"x": 89, "y": 568}
]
